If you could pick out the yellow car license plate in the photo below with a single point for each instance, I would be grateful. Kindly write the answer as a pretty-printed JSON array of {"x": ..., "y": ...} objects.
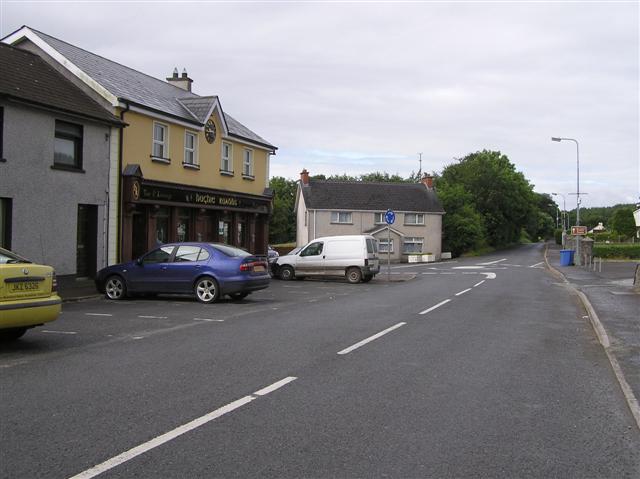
[{"x": 24, "y": 286}]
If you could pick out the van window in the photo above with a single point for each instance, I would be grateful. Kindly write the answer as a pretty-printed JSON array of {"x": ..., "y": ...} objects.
[
  {"x": 372, "y": 246},
  {"x": 314, "y": 249}
]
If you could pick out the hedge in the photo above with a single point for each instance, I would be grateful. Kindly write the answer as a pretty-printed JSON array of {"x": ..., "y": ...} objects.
[{"x": 628, "y": 250}]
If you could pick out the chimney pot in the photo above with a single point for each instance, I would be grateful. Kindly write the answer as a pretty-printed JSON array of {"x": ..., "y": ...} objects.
[
  {"x": 427, "y": 180},
  {"x": 184, "y": 73},
  {"x": 304, "y": 177},
  {"x": 175, "y": 72}
]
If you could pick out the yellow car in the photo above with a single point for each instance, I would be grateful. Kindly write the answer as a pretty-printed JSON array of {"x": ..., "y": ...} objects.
[{"x": 28, "y": 295}]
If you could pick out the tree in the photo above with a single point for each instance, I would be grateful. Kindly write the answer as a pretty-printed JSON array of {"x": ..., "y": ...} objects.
[
  {"x": 463, "y": 227},
  {"x": 282, "y": 227},
  {"x": 623, "y": 222}
]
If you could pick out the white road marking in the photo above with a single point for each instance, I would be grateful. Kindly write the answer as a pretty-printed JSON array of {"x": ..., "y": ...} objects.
[
  {"x": 153, "y": 317},
  {"x": 467, "y": 267},
  {"x": 57, "y": 332},
  {"x": 371, "y": 338},
  {"x": 493, "y": 262},
  {"x": 462, "y": 292},
  {"x": 536, "y": 265},
  {"x": 490, "y": 275},
  {"x": 478, "y": 284},
  {"x": 97, "y": 314},
  {"x": 179, "y": 431},
  {"x": 442, "y": 303},
  {"x": 209, "y": 319}
]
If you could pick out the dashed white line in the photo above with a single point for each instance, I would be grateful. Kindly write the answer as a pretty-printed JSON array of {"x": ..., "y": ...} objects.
[
  {"x": 153, "y": 317},
  {"x": 369, "y": 339},
  {"x": 493, "y": 262},
  {"x": 57, "y": 332},
  {"x": 442, "y": 303},
  {"x": 463, "y": 291},
  {"x": 209, "y": 320},
  {"x": 536, "y": 265},
  {"x": 478, "y": 284},
  {"x": 97, "y": 314},
  {"x": 174, "y": 433}
]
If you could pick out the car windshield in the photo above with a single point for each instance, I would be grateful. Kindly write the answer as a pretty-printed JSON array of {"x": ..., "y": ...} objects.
[
  {"x": 231, "y": 251},
  {"x": 295, "y": 250},
  {"x": 7, "y": 257}
]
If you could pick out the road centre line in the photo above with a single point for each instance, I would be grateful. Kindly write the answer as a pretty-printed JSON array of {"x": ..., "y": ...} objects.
[
  {"x": 369, "y": 339},
  {"x": 442, "y": 303},
  {"x": 153, "y": 317},
  {"x": 174, "y": 433},
  {"x": 493, "y": 262},
  {"x": 209, "y": 320},
  {"x": 478, "y": 284},
  {"x": 97, "y": 314},
  {"x": 462, "y": 292}
]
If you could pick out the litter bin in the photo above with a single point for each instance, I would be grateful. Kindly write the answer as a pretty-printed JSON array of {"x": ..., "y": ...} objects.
[{"x": 566, "y": 257}]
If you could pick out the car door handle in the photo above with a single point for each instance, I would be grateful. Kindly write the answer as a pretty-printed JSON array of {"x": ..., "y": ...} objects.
[{"x": 163, "y": 267}]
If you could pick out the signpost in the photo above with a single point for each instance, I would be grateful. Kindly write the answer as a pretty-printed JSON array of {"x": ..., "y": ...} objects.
[
  {"x": 578, "y": 230},
  {"x": 389, "y": 217}
]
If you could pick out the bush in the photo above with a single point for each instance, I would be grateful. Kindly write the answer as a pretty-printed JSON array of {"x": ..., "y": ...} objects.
[
  {"x": 620, "y": 250},
  {"x": 558, "y": 235}
]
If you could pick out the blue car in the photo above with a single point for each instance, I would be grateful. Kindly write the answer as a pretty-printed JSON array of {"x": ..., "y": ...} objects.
[{"x": 208, "y": 270}]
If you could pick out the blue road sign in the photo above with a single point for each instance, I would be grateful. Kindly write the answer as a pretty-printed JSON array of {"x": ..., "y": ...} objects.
[{"x": 389, "y": 217}]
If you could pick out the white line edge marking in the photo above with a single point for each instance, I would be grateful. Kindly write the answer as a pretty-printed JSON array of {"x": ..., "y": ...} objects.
[
  {"x": 370, "y": 338},
  {"x": 537, "y": 264},
  {"x": 493, "y": 262},
  {"x": 174, "y": 433},
  {"x": 97, "y": 314},
  {"x": 57, "y": 332},
  {"x": 478, "y": 284},
  {"x": 462, "y": 292},
  {"x": 442, "y": 303}
]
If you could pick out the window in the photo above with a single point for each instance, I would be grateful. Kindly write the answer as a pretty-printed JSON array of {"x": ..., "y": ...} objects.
[
  {"x": 372, "y": 246},
  {"x": 341, "y": 217},
  {"x": 160, "y": 255},
  {"x": 5, "y": 222},
  {"x": 383, "y": 245},
  {"x": 378, "y": 218},
  {"x": 247, "y": 163},
  {"x": 68, "y": 145},
  {"x": 414, "y": 218},
  {"x": 412, "y": 245},
  {"x": 190, "y": 149},
  {"x": 160, "y": 141},
  {"x": 1, "y": 132},
  {"x": 226, "y": 164},
  {"x": 190, "y": 253},
  {"x": 314, "y": 249}
]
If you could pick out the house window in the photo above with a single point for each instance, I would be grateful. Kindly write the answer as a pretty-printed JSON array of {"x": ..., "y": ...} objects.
[
  {"x": 412, "y": 245},
  {"x": 225, "y": 162},
  {"x": 385, "y": 245},
  {"x": 68, "y": 145},
  {"x": 378, "y": 218},
  {"x": 414, "y": 218},
  {"x": 247, "y": 163},
  {"x": 341, "y": 217},
  {"x": 160, "y": 141},
  {"x": 5, "y": 222},
  {"x": 1, "y": 132},
  {"x": 190, "y": 149}
]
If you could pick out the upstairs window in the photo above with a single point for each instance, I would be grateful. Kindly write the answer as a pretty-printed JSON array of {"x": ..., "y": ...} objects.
[
  {"x": 68, "y": 145},
  {"x": 378, "y": 218},
  {"x": 190, "y": 149},
  {"x": 160, "y": 141},
  {"x": 414, "y": 218},
  {"x": 341, "y": 217},
  {"x": 247, "y": 163},
  {"x": 226, "y": 164}
]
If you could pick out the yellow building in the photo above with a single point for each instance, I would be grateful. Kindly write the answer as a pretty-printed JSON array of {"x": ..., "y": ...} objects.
[{"x": 182, "y": 169}]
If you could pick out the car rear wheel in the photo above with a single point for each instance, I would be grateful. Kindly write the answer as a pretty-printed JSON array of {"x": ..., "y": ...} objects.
[
  {"x": 115, "y": 288},
  {"x": 12, "y": 334},
  {"x": 354, "y": 275},
  {"x": 207, "y": 290},
  {"x": 287, "y": 273},
  {"x": 238, "y": 296}
]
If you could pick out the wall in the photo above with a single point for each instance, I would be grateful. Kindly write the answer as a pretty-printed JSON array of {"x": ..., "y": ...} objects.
[{"x": 45, "y": 201}]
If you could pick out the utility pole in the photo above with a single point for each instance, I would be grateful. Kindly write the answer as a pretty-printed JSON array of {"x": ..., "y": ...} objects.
[{"x": 420, "y": 169}]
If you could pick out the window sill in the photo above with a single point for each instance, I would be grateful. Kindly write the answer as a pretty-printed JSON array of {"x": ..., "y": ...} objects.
[
  {"x": 158, "y": 159},
  {"x": 248, "y": 177},
  {"x": 190, "y": 166},
  {"x": 226, "y": 173},
  {"x": 338, "y": 223},
  {"x": 71, "y": 169},
  {"x": 413, "y": 224}
]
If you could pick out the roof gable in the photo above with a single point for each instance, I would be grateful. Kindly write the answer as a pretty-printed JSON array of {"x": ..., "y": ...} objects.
[{"x": 363, "y": 196}]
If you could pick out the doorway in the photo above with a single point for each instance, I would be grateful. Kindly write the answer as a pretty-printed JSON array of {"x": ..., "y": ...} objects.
[{"x": 87, "y": 241}]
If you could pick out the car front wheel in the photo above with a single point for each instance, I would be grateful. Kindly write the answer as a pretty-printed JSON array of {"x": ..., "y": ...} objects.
[
  {"x": 207, "y": 290},
  {"x": 115, "y": 288},
  {"x": 286, "y": 273}
]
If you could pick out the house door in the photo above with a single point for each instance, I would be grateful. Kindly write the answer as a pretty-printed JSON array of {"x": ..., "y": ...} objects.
[
  {"x": 139, "y": 234},
  {"x": 87, "y": 241}
]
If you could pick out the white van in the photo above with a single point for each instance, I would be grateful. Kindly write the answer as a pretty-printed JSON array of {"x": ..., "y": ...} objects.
[{"x": 354, "y": 257}]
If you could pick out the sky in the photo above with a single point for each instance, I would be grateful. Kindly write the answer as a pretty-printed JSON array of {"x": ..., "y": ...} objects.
[{"x": 356, "y": 87}]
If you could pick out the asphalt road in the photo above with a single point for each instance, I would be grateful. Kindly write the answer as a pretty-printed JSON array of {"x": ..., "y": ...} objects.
[{"x": 482, "y": 367}]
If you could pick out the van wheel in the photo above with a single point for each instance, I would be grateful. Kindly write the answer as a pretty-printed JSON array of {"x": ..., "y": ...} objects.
[
  {"x": 286, "y": 273},
  {"x": 354, "y": 275},
  {"x": 367, "y": 277}
]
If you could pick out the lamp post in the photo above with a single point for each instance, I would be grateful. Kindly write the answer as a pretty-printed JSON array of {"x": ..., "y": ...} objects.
[
  {"x": 564, "y": 209},
  {"x": 555, "y": 138}
]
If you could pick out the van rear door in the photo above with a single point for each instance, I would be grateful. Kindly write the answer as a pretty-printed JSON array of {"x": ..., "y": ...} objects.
[{"x": 372, "y": 254}]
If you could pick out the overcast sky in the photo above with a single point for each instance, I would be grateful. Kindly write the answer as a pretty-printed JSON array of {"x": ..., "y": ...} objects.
[{"x": 357, "y": 87}]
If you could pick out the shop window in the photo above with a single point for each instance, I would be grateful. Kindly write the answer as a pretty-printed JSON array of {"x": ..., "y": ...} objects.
[
  {"x": 67, "y": 153},
  {"x": 183, "y": 227},
  {"x": 162, "y": 225},
  {"x": 224, "y": 231},
  {"x": 242, "y": 235}
]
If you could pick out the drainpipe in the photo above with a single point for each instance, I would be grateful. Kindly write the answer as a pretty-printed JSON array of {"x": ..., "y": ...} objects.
[{"x": 120, "y": 199}]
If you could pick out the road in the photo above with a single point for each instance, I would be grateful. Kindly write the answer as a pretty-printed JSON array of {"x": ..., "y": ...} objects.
[{"x": 481, "y": 367}]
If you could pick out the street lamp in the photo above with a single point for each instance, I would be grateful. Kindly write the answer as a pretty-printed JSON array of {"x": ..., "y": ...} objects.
[
  {"x": 555, "y": 138},
  {"x": 564, "y": 209}
]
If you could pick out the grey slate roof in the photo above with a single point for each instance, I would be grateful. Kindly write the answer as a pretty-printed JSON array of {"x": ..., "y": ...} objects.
[
  {"x": 352, "y": 195},
  {"x": 28, "y": 78},
  {"x": 144, "y": 90}
]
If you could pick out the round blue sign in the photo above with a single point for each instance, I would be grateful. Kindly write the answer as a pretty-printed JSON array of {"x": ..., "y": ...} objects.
[{"x": 389, "y": 217}]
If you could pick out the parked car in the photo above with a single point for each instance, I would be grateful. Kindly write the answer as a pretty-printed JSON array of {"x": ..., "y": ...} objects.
[
  {"x": 352, "y": 256},
  {"x": 272, "y": 256},
  {"x": 28, "y": 295},
  {"x": 207, "y": 270}
]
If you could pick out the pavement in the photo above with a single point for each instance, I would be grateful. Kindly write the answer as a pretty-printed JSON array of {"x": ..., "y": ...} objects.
[{"x": 613, "y": 306}]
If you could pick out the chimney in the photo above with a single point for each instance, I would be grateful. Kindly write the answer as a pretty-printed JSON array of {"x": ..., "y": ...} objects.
[
  {"x": 183, "y": 81},
  {"x": 304, "y": 177},
  {"x": 427, "y": 180}
]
